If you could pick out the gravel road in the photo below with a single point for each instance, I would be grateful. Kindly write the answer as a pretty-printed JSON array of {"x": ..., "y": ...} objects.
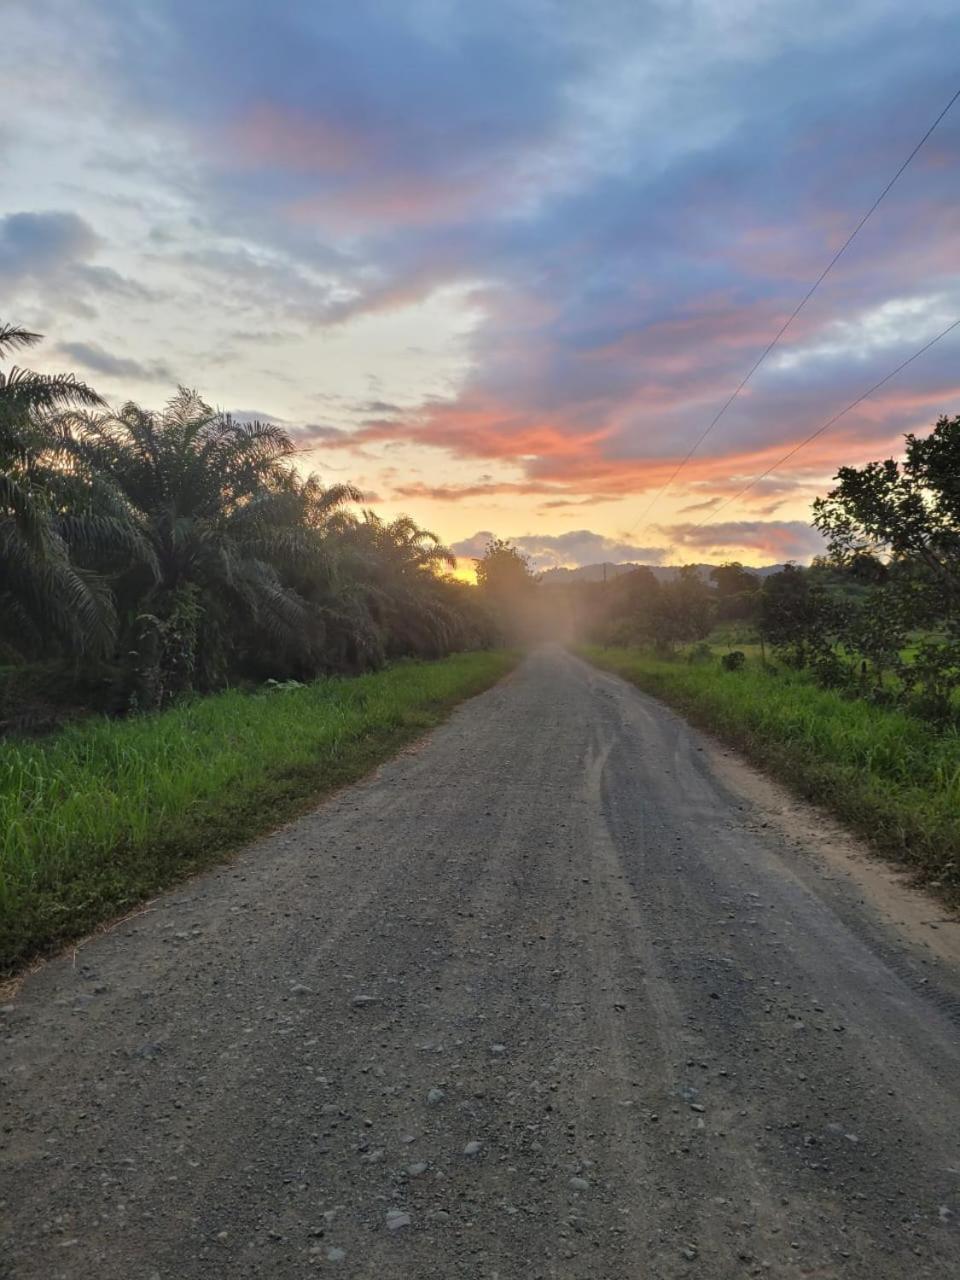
[{"x": 547, "y": 996}]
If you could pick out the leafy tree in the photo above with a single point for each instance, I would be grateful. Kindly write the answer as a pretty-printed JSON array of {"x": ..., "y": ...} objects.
[
  {"x": 876, "y": 628},
  {"x": 908, "y": 510},
  {"x": 508, "y": 584},
  {"x": 684, "y": 610},
  {"x": 504, "y": 569},
  {"x": 623, "y": 610},
  {"x": 800, "y": 619},
  {"x": 897, "y": 523},
  {"x": 736, "y": 591},
  {"x": 932, "y": 678}
]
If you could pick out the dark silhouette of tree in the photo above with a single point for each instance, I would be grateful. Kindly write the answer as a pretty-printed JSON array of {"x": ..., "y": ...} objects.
[
  {"x": 736, "y": 591},
  {"x": 183, "y": 548},
  {"x": 908, "y": 510},
  {"x": 801, "y": 620},
  {"x": 57, "y": 517},
  {"x": 209, "y": 495},
  {"x": 508, "y": 584},
  {"x": 901, "y": 520},
  {"x": 684, "y": 610}
]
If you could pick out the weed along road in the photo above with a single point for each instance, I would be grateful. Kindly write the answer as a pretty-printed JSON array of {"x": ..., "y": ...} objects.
[{"x": 559, "y": 992}]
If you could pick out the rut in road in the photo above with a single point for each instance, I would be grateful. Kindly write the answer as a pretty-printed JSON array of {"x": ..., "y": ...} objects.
[{"x": 542, "y": 998}]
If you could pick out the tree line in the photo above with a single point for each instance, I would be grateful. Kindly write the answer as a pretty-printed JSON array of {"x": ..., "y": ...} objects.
[
  {"x": 158, "y": 553},
  {"x": 180, "y": 550},
  {"x": 877, "y": 616}
]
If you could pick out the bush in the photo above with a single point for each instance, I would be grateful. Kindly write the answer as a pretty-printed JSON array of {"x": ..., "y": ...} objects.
[{"x": 733, "y": 661}]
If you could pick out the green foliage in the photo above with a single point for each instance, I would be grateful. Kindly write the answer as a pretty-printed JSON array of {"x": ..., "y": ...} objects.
[
  {"x": 895, "y": 527},
  {"x": 736, "y": 590},
  {"x": 636, "y": 607},
  {"x": 508, "y": 585},
  {"x": 735, "y": 660},
  {"x": 682, "y": 611},
  {"x": 890, "y": 774},
  {"x": 878, "y": 618},
  {"x": 216, "y": 504},
  {"x": 620, "y": 611},
  {"x": 908, "y": 510},
  {"x": 99, "y": 816},
  {"x": 932, "y": 677},
  {"x": 54, "y": 517},
  {"x": 798, "y": 617},
  {"x": 183, "y": 548}
]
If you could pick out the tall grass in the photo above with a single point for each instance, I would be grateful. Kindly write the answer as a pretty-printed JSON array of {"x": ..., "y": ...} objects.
[
  {"x": 97, "y": 817},
  {"x": 893, "y": 777}
]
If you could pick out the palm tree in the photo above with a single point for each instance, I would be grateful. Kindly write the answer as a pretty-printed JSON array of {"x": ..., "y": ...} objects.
[
  {"x": 25, "y": 394},
  {"x": 402, "y": 566},
  {"x": 56, "y": 516},
  {"x": 224, "y": 515},
  {"x": 187, "y": 541}
]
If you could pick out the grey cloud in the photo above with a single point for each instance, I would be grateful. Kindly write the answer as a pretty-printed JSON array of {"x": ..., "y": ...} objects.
[
  {"x": 43, "y": 244},
  {"x": 578, "y": 547},
  {"x": 106, "y": 280},
  {"x": 780, "y": 539},
  {"x": 255, "y": 415},
  {"x": 94, "y": 357},
  {"x": 474, "y": 545}
]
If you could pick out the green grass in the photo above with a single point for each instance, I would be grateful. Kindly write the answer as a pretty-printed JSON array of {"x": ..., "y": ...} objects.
[
  {"x": 102, "y": 814},
  {"x": 892, "y": 777}
]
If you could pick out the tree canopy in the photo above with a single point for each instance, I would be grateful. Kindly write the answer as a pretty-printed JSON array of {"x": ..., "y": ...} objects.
[{"x": 182, "y": 549}]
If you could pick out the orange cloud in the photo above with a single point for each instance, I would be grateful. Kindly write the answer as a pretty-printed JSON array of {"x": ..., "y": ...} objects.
[
  {"x": 560, "y": 462},
  {"x": 631, "y": 444}
]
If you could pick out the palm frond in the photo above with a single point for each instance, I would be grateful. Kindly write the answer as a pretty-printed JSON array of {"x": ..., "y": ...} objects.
[
  {"x": 14, "y": 338},
  {"x": 23, "y": 391},
  {"x": 76, "y": 604}
]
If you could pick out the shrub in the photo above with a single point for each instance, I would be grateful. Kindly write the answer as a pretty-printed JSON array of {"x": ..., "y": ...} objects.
[{"x": 733, "y": 661}]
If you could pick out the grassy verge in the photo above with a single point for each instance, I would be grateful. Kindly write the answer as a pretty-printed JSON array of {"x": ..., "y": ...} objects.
[
  {"x": 892, "y": 777},
  {"x": 104, "y": 813}
]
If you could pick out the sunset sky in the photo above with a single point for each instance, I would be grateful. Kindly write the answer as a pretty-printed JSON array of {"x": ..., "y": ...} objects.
[{"x": 499, "y": 263}]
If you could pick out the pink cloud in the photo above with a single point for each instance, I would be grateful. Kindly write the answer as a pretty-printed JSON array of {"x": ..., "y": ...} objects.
[
  {"x": 278, "y": 138},
  {"x": 563, "y": 459},
  {"x": 360, "y": 183}
]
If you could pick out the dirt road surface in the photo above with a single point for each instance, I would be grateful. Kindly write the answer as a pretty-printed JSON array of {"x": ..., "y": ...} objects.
[{"x": 548, "y": 996}]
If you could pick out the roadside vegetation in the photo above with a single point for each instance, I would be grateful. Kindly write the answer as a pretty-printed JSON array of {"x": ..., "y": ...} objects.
[
  {"x": 149, "y": 555},
  {"x": 892, "y": 776},
  {"x": 179, "y": 608},
  {"x": 99, "y": 816},
  {"x": 844, "y": 678}
]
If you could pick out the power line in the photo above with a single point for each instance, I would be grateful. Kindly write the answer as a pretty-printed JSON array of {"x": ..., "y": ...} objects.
[
  {"x": 790, "y": 319},
  {"x": 825, "y": 427}
]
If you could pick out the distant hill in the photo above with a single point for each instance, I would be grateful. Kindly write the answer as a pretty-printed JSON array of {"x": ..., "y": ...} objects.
[{"x": 662, "y": 572}]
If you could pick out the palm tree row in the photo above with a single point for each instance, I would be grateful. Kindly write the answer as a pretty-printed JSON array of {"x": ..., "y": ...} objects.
[{"x": 182, "y": 548}]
